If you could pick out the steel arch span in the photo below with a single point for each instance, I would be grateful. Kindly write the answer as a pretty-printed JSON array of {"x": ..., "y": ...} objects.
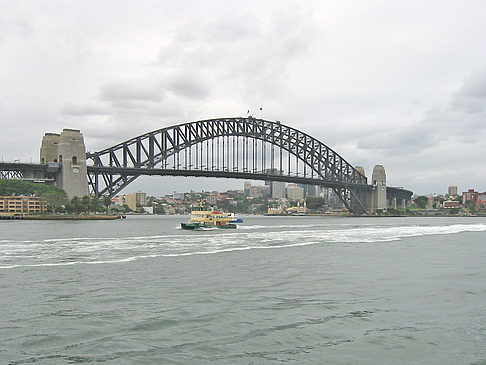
[{"x": 242, "y": 148}]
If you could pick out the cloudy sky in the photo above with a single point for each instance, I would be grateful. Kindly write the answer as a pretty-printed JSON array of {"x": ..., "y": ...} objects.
[{"x": 398, "y": 83}]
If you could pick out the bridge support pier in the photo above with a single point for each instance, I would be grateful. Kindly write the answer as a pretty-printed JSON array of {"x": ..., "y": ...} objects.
[
  {"x": 68, "y": 150},
  {"x": 378, "y": 195}
]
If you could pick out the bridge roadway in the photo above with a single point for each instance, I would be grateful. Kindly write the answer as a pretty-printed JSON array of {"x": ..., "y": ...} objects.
[
  {"x": 132, "y": 171},
  {"x": 28, "y": 171},
  {"x": 46, "y": 173}
]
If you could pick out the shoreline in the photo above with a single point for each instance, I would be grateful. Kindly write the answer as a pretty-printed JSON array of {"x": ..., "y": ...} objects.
[{"x": 61, "y": 217}]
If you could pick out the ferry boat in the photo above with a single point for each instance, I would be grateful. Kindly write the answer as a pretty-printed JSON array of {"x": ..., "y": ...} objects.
[{"x": 211, "y": 219}]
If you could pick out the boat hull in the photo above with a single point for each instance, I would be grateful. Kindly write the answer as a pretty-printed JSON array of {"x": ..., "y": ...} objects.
[{"x": 198, "y": 226}]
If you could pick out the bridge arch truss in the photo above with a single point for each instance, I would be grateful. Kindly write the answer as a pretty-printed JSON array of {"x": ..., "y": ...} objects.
[{"x": 244, "y": 148}]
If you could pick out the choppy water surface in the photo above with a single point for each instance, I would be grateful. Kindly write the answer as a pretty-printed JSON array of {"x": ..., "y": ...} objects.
[{"x": 306, "y": 290}]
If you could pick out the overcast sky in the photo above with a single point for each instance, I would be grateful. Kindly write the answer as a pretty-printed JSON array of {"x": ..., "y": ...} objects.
[{"x": 398, "y": 83}]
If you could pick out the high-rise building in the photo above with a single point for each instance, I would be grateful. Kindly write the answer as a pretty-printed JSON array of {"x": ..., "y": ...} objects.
[
  {"x": 246, "y": 188},
  {"x": 277, "y": 189},
  {"x": 295, "y": 192},
  {"x": 452, "y": 190},
  {"x": 136, "y": 201},
  {"x": 311, "y": 190},
  {"x": 257, "y": 191}
]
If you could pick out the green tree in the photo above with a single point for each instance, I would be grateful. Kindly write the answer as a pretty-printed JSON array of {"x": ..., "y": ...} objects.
[
  {"x": 55, "y": 199},
  {"x": 159, "y": 209},
  {"x": 315, "y": 202},
  {"x": 107, "y": 202},
  {"x": 76, "y": 205},
  {"x": 85, "y": 203},
  {"x": 470, "y": 205},
  {"x": 94, "y": 203},
  {"x": 421, "y": 201},
  {"x": 20, "y": 187}
]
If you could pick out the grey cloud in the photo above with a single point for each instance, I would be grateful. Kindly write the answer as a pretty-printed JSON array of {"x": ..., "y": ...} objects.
[
  {"x": 85, "y": 110},
  {"x": 475, "y": 85},
  {"x": 24, "y": 27},
  {"x": 445, "y": 124},
  {"x": 233, "y": 29},
  {"x": 240, "y": 53},
  {"x": 117, "y": 91},
  {"x": 468, "y": 105},
  {"x": 471, "y": 98},
  {"x": 190, "y": 86},
  {"x": 129, "y": 104}
]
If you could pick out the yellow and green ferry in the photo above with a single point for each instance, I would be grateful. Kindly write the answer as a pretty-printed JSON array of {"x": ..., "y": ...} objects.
[{"x": 201, "y": 219}]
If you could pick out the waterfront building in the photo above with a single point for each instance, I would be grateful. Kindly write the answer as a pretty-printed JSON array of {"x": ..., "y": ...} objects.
[
  {"x": 22, "y": 204},
  {"x": 118, "y": 200},
  {"x": 448, "y": 204}
]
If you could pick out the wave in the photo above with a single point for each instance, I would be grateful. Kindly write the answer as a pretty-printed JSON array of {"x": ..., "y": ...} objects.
[
  {"x": 134, "y": 258},
  {"x": 99, "y": 250}
]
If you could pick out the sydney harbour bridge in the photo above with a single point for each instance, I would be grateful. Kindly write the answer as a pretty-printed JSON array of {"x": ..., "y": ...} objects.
[{"x": 239, "y": 148}]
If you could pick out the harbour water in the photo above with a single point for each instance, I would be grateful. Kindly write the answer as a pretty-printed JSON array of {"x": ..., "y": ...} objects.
[{"x": 305, "y": 290}]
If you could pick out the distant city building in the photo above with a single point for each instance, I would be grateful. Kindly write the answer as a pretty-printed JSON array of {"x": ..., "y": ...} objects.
[
  {"x": 178, "y": 196},
  {"x": 22, "y": 204},
  {"x": 256, "y": 192},
  {"x": 311, "y": 190},
  {"x": 333, "y": 199},
  {"x": 212, "y": 199},
  {"x": 149, "y": 210},
  {"x": 452, "y": 190},
  {"x": 480, "y": 206},
  {"x": 295, "y": 192},
  {"x": 469, "y": 195},
  {"x": 246, "y": 188},
  {"x": 277, "y": 189},
  {"x": 136, "y": 201},
  {"x": 118, "y": 200}
]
